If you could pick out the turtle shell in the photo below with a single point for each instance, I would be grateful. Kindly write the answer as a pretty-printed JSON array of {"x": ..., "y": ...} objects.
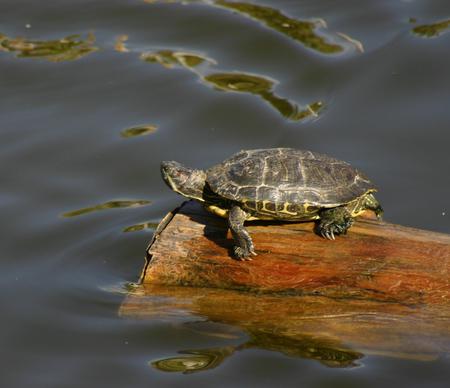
[{"x": 287, "y": 182}]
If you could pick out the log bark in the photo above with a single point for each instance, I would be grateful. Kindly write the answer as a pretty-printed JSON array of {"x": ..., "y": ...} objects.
[
  {"x": 380, "y": 289},
  {"x": 374, "y": 261}
]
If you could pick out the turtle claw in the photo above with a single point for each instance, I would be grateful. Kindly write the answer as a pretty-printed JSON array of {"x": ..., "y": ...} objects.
[
  {"x": 244, "y": 259},
  {"x": 333, "y": 222},
  {"x": 242, "y": 254}
]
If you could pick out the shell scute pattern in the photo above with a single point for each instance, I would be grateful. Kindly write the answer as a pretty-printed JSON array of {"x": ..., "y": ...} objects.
[{"x": 286, "y": 181}]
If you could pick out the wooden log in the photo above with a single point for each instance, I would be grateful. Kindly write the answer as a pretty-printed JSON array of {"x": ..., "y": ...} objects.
[
  {"x": 375, "y": 261},
  {"x": 380, "y": 289}
]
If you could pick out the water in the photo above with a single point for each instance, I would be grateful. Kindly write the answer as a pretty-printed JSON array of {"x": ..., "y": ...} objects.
[{"x": 65, "y": 108}]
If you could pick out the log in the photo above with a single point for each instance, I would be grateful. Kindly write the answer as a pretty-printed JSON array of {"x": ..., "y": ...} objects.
[
  {"x": 381, "y": 289},
  {"x": 375, "y": 261}
]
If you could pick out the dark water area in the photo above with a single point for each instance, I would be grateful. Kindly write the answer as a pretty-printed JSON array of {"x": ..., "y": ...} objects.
[{"x": 86, "y": 120}]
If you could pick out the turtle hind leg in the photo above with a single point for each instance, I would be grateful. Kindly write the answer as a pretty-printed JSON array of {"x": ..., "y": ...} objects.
[
  {"x": 333, "y": 222},
  {"x": 243, "y": 247}
]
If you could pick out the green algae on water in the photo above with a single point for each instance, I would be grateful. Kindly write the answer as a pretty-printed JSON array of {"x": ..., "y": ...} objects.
[
  {"x": 432, "y": 30},
  {"x": 140, "y": 130},
  {"x": 141, "y": 226},
  {"x": 69, "y": 48},
  {"x": 107, "y": 205},
  {"x": 229, "y": 82},
  {"x": 170, "y": 59},
  {"x": 299, "y": 30},
  {"x": 302, "y": 31},
  {"x": 249, "y": 83}
]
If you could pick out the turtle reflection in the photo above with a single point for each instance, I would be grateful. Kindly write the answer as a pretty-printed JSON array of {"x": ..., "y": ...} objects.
[
  {"x": 327, "y": 352},
  {"x": 246, "y": 83},
  {"x": 66, "y": 49},
  {"x": 194, "y": 360}
]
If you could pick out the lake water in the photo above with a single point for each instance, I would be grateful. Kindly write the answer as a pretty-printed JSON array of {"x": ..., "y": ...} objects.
[{"x": 86, "y": 120}]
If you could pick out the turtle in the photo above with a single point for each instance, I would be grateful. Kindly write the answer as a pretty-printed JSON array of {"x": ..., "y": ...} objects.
[{"x": 283, "y": 184}]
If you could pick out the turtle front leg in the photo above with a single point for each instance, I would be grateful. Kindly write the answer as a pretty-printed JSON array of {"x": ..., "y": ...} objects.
[
  {"x": 333, "y": 222},
  {"x": 243, "y": 247}
]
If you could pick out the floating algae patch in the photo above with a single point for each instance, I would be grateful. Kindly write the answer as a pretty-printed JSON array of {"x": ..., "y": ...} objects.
[
  {"x": 303, "y": 31},
  {"x": 170, "y": 59},
  {"x": 247, "y": 83},
  {"x": 69, "y": 48},
  {"x": 139, "y": 227},
  {"x": 138, "y": 131},
  {"x": 299, "y": 30},
  {"x": 229, "y": 82},
  {"x": 240, "y": 82},
  {"x": 432, "y": 30},
  {"x": 105, "y": 206}
]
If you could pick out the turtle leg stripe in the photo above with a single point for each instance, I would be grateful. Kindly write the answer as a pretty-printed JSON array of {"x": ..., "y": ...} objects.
[
  {"x": 371, "y": 203},
  {"x": 243, "y": 242},
  {"x": 333, "y": 222}
]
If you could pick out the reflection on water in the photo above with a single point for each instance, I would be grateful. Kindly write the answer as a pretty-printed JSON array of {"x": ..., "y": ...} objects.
[
  {"x": 170, "y": 59},
  {"x": 336, "y": 333},
  {"x": 299, "y": 30},
  {"x": 302, "y": 31},
  {"x": 107, "y": 205},
  {"x": 195, "y": 360},
  {"x": 328, "y": 352},
  {"x": 119, "y": 45},
  {"x": 138, "y": 131},
  {"x": 246, "y": 83},
  {"x": 234, "y": 82},
  {"x": 432, "y": 30},
  {"x": 358, "y": 45},
  {"x": 142, "y": 226},
  {"x": 66, "y": 49}
]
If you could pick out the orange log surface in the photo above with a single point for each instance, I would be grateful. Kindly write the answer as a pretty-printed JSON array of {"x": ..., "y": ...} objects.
[{"x": 375, "y": 261}]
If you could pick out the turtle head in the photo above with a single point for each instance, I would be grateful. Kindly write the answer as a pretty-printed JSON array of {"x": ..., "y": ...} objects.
[{"x": 183, "y": 180}]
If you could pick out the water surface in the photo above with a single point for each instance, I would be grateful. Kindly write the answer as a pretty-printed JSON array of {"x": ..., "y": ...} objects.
[{"x": 79, "y": 109}]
